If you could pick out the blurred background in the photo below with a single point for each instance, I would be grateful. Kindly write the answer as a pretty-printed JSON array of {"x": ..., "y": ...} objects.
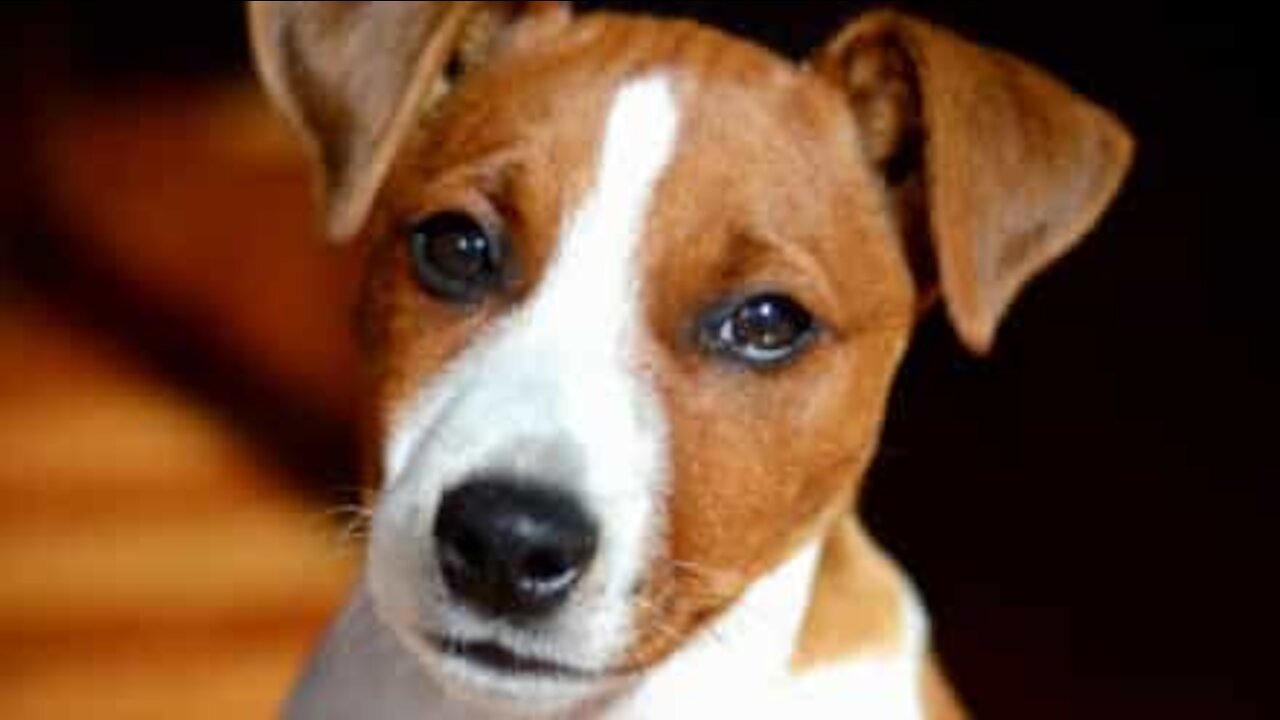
[{"x": 1090, "y": 512}]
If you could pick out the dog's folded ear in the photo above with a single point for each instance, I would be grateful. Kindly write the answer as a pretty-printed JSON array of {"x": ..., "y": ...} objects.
[
  {"x": 997, "y": 168},
  {"x": 352, "y": 77}
]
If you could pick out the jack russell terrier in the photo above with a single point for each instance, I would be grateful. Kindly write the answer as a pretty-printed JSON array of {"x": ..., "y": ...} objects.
[{"x": 636, "y": 294}]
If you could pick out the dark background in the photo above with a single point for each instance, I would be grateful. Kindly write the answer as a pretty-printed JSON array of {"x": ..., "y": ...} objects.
[{"x": 1089, "y": 510}]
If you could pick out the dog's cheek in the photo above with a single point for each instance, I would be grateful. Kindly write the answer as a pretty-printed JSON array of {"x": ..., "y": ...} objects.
[
  {"x": 758, "y": 464},
  {"x": 408, "y": 373},
  {"x": 394, "y": 562}
]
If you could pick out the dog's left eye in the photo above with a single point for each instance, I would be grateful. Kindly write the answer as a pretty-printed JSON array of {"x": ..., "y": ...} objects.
[
  {"x": 455, "y": 257},
  {"x": 762, "y": 330}
]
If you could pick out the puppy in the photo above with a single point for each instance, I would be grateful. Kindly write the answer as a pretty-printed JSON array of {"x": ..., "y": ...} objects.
[{"x": 636, "y": 294}]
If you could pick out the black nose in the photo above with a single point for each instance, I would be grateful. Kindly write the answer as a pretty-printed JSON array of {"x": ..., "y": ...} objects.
[{"x": 512, "y": 549}]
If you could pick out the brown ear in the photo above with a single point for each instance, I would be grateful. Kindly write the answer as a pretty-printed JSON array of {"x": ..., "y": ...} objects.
[
  {"x": 353, "y": 76},
  {"x": 1010, "y": 167}
]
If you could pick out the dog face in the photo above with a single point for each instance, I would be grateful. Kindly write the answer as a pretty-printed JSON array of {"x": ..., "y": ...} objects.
[
  {"x": 637, "y": 292},
  {"x": 666, "y": 344}
]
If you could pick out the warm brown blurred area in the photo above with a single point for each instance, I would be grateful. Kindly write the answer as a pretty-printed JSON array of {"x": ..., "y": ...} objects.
[
  {"x": 176, "y": 387},
  {"x": 155, "y": 565}
]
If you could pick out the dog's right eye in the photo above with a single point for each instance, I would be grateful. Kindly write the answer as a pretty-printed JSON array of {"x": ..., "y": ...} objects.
[
  {"x": 761, "y": 331},
  {"x": 455, "y": 257}
]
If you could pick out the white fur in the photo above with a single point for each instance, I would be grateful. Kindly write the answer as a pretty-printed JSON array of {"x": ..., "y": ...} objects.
[
  {"x": 553, "y": 392},
  {"x": 738, "y": 668},
  {"x": 740, "y": 664},
  {"x": 741, "y": 668}
]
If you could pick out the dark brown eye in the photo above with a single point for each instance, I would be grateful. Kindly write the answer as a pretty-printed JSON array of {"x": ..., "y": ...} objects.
[
  {"x": 454, "y": 257},
  {"x": 762, "y": 330}
]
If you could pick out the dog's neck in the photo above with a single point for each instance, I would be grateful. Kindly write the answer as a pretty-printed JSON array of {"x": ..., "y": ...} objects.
[{"x": 835, "y": 630}]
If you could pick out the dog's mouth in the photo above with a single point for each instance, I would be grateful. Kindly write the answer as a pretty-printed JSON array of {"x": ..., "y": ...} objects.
[{"x": 501, "y": 660}]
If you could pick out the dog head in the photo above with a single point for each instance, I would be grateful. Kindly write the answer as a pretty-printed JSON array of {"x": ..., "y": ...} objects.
[{"x": 637, "y": 293}]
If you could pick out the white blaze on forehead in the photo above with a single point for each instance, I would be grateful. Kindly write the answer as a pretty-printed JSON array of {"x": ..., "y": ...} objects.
[
  {"x": 553, "y": 393},
  {"x": 594, "y": 278},
  {"x": 590, "y": 291}
]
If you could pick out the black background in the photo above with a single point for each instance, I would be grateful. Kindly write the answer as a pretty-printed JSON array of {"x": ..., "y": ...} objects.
[{"x": 1090, "y": 510}]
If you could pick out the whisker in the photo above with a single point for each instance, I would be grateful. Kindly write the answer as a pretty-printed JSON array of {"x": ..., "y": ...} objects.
[{"x": 344, "y": 526}]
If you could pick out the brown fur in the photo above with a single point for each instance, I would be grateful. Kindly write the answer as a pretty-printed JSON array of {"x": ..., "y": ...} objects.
[
  {"x": 1016, "y": 167},
  {"x": 852, "y": 566},
  {"x": 823, "y": 181},
  {"x": 758, "y": 461}
]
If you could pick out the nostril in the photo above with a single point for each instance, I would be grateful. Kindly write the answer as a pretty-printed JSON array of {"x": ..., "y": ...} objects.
[
  {"x": 462, "y": 552},
  {"x": 545, "y": 565},
  {"x": 512, "y": 548},
  {"x": 547, "y": 572}
]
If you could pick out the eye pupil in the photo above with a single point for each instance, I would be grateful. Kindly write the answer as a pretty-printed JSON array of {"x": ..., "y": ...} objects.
[
  {"x": 454, "y": 257},
  {"x": 767, "y": 324},
  {"x": 460, "y": 254},
  {"x": 761, "y": 330}
]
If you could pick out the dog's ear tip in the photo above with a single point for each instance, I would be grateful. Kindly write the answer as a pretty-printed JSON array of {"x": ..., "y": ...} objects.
[
  {"x": 976, "y": 337},
  {"x": 1122, "y": 146},
  {"x": 338, "y": 232},
  {"x": 343, "y": 218},
  {"x": 974, "y": 322},
  {"x": 1123, "y": 143}
]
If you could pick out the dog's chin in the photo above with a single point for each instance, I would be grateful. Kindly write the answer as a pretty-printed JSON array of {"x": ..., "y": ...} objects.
[{"x": 496, "y": 679}]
